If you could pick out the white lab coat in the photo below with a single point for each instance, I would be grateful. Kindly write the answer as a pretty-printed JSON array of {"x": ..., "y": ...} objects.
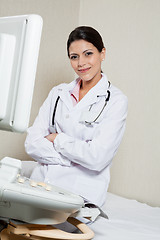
[{"x": 80, "y": 158}]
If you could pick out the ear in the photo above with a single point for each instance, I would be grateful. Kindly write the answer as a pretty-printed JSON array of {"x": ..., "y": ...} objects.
[{"x": 103, "y": 54}]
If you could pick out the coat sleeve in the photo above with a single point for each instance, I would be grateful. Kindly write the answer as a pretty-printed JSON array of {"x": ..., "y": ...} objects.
[
  {"x": 36, "y": 145},
  {"x": 97, "y": 153}
]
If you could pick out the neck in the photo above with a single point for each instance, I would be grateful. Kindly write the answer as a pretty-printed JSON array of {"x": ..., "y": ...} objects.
[{"x": 86, "y": 86}]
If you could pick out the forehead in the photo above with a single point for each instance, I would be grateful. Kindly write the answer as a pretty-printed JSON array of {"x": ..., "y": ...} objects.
[{"x": 80, "y": 46}]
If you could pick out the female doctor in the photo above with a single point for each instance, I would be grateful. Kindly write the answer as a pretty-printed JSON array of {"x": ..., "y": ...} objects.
[{"x": 80, "y": 125}]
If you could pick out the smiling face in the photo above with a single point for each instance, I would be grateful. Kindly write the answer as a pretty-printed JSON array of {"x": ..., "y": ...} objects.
[{"x": 86, "y": 60}]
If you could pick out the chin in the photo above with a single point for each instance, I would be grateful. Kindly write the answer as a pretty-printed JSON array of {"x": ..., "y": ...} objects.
[{"x": 86, "y": 78}]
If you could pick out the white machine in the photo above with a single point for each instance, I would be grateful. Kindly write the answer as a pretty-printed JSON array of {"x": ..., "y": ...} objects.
[
  {"x": 37, "y": 202},
  {"x": 19, "y": 48},
  {"x": 38, "y": 206}
]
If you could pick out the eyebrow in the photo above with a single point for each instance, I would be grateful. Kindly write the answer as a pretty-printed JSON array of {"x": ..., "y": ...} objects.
[{"x": 83, "y": 52}]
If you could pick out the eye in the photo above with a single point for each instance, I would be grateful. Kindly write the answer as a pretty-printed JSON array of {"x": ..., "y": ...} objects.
[
  {"x": 88, "y": 53},
  {"x": 73, "y": 57}
]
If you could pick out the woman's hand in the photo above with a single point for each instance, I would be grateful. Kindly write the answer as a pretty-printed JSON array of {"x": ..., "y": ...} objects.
[{"x": 51, "y": 137}]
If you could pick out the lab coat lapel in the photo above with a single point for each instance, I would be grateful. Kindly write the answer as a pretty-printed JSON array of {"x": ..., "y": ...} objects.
[
  {"x": 100, "y": 89},
  {"x": 87, "y": 100},
  {"x": 65, "y": 96},
  {"x": 90, "y": 98}
]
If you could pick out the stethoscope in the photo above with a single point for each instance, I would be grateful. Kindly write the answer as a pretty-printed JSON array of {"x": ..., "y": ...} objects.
[{"x": 52, "y": 127}]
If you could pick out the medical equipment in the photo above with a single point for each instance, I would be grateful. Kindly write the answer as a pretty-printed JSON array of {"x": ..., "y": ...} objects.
[
  {"x": 19, "y": 47},
  {"x": 18, "y": 231},
  {"x": 37, "y": 202},
  {"x": 88, "y": 123},
  {"x": 52, "y": 127}
]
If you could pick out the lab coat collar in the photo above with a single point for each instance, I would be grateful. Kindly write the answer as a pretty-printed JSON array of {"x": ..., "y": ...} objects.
[
  {"x": 100, "y": 89},
  {"x": 64, "y": 91}
]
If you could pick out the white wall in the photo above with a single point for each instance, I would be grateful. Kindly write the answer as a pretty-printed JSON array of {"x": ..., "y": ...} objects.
[
  {"x": 60, "y": 18},
  {"x": 131, "y": 32}
]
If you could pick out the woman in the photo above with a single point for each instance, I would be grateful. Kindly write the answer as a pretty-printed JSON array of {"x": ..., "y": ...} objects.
[{"x": 89, "y": 124}]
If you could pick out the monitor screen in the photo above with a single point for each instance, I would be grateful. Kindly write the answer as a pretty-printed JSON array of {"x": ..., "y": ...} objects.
[{"x": 19, "y": 48}]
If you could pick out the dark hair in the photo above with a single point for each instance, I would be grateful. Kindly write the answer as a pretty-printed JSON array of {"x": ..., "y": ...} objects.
[{"x": 88, "y": 34}]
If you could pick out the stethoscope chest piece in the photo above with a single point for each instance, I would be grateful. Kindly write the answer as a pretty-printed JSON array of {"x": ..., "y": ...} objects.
[
  {"x": 87, "y": 117},
  {"x": 52, "y": 129}
]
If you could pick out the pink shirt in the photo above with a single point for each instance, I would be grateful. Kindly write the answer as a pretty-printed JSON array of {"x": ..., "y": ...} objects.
[{"x": 75, "y": 93}]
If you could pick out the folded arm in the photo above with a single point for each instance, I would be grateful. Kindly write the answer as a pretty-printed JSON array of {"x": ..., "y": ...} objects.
[
  {"x": 37, "y": 145},
  {"x": 97, "y": 153}
]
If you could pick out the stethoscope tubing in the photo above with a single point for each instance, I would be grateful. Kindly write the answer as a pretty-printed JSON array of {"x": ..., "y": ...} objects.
[
  {"x": 54, "y": 112},
  {"x": 86, "y": 122},
  {"x": 106, "y": 100}
]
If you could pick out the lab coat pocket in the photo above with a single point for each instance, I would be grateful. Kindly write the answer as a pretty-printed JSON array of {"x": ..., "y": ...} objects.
[{"x": 91, "y": 189}]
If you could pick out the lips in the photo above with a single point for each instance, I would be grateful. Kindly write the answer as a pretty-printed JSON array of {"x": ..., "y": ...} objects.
[{"x": 84, "y": 70}]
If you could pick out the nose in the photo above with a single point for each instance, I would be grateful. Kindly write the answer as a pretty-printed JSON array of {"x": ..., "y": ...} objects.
[{"x": 81, "y": 61}]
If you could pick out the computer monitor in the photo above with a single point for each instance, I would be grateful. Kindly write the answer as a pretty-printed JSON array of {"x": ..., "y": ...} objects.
[{"x": 19, "y": 48}]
